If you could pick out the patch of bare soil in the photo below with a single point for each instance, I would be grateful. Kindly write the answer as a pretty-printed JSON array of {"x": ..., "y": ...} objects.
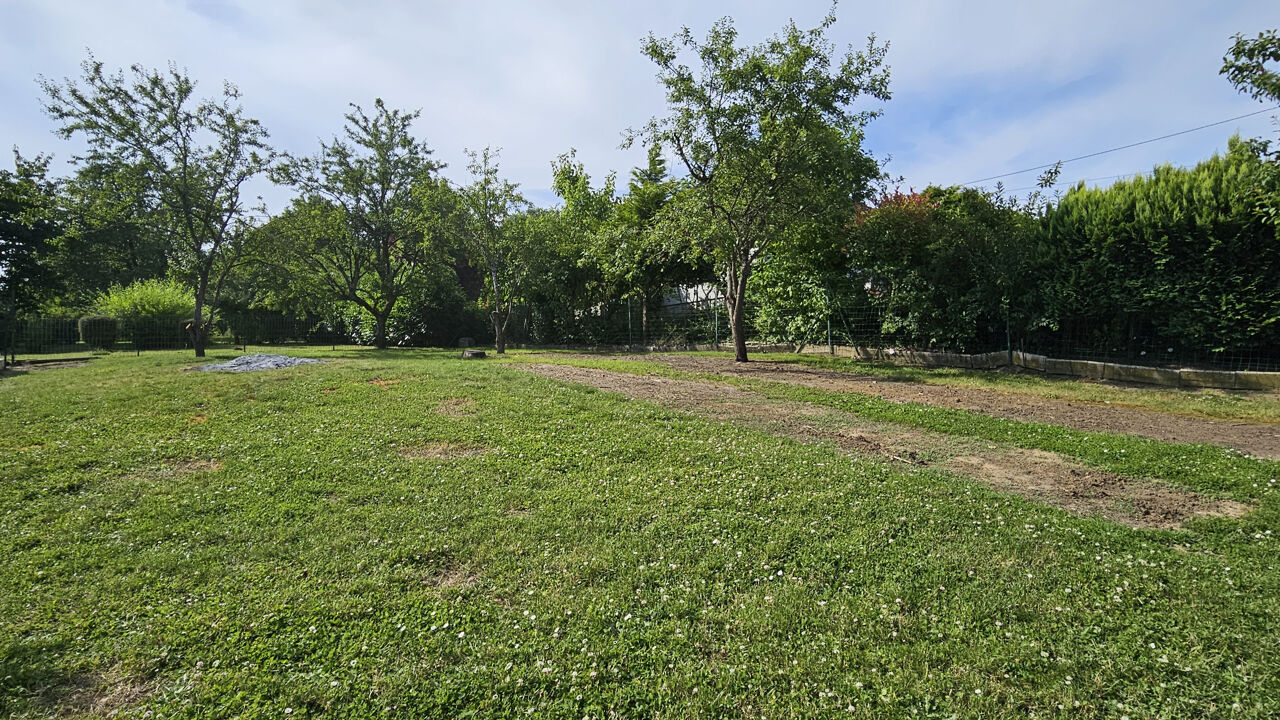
[
  {"x": 21, "y": 368},
  {"x": 54, "y": 365},
  {"x": 1260, "y": 440},
  {"x": 440, "y": 451},
  {"x": 1040, "y": 476},
  {"x": 384, "y": 384},
  {"x": 457, "y": 407}
]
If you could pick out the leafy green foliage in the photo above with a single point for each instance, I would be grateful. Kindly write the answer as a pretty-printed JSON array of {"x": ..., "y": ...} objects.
[
  {"x": 358, "y": 230},
  {"x": 792, "y": 304},
  {"x": 152, "y": 313},
  {"x": 1180, "y": 255},
  {"x": 770, "y": 141},
  {"x": 147, "y": 299},
  {"x": 112, "y": 233},
  {"x": 499, "y": 241},
  {"x": 99, "y": 332},
  {"x": 195, "y": 157},
  {"x": 639, "y": 257},
  {"x": 27, "y": 227},
  {"x": 947, "y": 267},
  {"x": 1252, "y": 65}
]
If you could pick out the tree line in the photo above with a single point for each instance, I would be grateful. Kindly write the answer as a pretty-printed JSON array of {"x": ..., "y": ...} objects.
[{"x": 772, "y": 199}]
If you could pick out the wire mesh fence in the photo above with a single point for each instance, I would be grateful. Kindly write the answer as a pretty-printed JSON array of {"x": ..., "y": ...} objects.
[
  {"x": 33, "y": 338},
  {"x": 617, "y": 324}
]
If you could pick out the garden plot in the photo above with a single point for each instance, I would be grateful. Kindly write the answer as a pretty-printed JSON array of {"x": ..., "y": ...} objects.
[
  {"x": 1260, "y": 440},
  {"x": 1038, "y": 475}
]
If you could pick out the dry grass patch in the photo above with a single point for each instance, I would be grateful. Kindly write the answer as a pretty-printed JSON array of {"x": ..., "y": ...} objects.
[
  {"x": 96, "y": 694},
  {"x": 384, "y": 384},
  {"x": 457, "y": 407},
  {"x": 184, "y": 467},
  {"x": 452, "y": 576}
]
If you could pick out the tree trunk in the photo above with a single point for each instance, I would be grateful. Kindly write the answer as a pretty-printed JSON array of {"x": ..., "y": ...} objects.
[
  {"x": 197, "y": 323},
  {"x": 737, "y": 323},
  {"x": 644, "y": 319},
  {"x": 380, "y": 330},
  {"x": 735, "y": 303},
  {"x": 499, "y": 322},
  {"x": 499, "y": 333}
]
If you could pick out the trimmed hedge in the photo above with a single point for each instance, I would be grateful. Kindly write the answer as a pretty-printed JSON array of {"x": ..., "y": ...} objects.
[{"x": 99, "y": 332}]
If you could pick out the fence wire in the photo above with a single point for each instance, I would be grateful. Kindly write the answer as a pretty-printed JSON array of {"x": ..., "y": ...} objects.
[{"x": 622, "y": 324}]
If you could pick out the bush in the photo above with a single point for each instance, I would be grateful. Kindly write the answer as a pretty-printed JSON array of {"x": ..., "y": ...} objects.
[
  {"x": 152, "y": 313},
  {"x": 148, "y": 299},
  {"x": 99, "y": 332}
]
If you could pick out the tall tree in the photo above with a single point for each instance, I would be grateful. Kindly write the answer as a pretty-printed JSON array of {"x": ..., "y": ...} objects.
[
  {"x": 27, "y": 225},
  {"x": 768, "y": 137},
  {"x": 359, "y": 229},
  {"x": 112, "y": 233},
  {"x": 637, "y": 261},
  {"x": 198, "y": 155},
  {"x": 494, "y": 243}
]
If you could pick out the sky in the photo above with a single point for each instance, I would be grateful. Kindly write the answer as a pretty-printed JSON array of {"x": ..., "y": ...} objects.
[{"x": 979, "y": 88}]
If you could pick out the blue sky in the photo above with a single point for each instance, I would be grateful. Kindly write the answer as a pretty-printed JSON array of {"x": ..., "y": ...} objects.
[{"x": 980, "y": 88}]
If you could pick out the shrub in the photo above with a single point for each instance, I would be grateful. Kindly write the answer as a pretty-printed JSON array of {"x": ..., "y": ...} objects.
[
  {"x": 99, "y": 332},
  {"x": 152, "y": 313},
  {"x": 148, "y": 299}
]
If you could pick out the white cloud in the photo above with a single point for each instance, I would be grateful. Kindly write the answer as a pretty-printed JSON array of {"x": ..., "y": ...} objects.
[{"x": 973, "y": 82}]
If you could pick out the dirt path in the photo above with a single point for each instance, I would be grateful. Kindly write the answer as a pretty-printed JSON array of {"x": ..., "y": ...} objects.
[
  {"x": 1259, "y": 440},
  {"x": 1041, "y": 476}
]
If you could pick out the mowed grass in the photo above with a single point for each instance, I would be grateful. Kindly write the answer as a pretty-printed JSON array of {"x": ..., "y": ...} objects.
[{"x": 463, "y": 538}]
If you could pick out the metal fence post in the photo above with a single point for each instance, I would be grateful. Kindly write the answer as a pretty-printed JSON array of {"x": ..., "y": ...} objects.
[{"x": 715, "y": 311}]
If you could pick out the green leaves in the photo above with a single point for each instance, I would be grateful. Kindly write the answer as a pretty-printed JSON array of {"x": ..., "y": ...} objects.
[
  {"x": 494, "y": 243},
  {"x": 768, "y": 136},
  {"x": 364, "y": 232},
  {"x": 948, "y": 267},
  {"x": 1252, "y": 65},
  {"x": 1182, "y": 256},
  {"x": 196, "y": 156}
]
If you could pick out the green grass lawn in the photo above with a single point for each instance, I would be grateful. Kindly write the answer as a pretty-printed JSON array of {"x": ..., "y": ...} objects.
[{"x": 463, "y": 538}]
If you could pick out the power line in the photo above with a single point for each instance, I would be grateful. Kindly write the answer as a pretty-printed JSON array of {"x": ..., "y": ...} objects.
[
  {"x": 1123, "y": 147},
  {"x": 1140, "y": 173}
]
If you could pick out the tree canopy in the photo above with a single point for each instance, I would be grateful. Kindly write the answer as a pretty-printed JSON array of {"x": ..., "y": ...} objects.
[
  {"x": 358, "y": 228},
  {"x": 197, "y": 156},
  {"x": 769, "y": 138}
]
